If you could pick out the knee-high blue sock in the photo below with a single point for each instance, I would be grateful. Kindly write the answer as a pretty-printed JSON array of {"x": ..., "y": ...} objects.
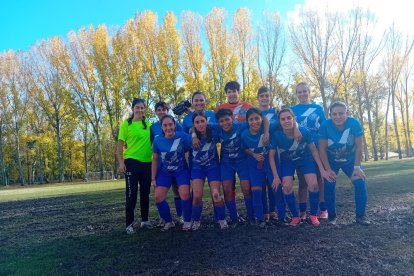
[
  {"x": 231, "y": 206},
  {"x": 271, "y": 196},
  {"x": 360, "y": 197},
  {"x": 322, "y": 206},
  {"x": 196, "y": 212},
  {"x": 220, "y": 212},
  {"x": 313, "y": 200},
  {"x": 291, "y": 202},
  {"x": 258, "y": 204},
  {"x": 249, "y": 207},
  {"x": 303, "y": 206},
  {"x": 178, "y": 208},
  {"x": 164, "y": 211},
  {"x": 280, "y": 203},
  {"x": 186, "y": 204},
  {"x": 264, "y": 200},
  {"x": 330, "y": 198}
]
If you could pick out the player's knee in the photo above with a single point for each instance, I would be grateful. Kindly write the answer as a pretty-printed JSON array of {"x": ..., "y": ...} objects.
[{"x": 313, "y": 187}]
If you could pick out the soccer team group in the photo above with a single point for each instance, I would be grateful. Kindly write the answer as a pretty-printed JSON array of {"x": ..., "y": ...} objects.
[{"x": 263, "y": 146}]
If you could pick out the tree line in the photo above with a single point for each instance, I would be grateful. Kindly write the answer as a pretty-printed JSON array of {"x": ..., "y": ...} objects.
[{"x": 62, "y": 101}]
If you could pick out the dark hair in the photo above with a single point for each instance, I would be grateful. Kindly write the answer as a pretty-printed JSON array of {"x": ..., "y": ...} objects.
[
  {"x": 253, "y": 110},
  {"x": 232, "y": 85},
  {"x": 223, "y": 113},
  {"x": 161, "y": 104},
  {"x": 198, "y": 92},
  {"x": 136, "y": 101},
  {"x": 208, "y": 129},
  {"x": 166, "y": 117},
  {"x": 262, "y": 89},
  {"x": 337, "y": 104},
  {"x": 286, "y": 109}
]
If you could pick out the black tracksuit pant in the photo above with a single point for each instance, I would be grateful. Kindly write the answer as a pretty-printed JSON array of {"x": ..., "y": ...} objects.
[{"x": 137, "y": 172}]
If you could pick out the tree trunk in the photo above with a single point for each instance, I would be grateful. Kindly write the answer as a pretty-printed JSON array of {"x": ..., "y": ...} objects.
[
  {"x": 85, "y": 151},
  {"x": 394, "y": 114},
  {"x": 386, "y": 126},
  {"x": 100, "y": 159},
  {"x": 372, "y": 134},
  {"x": 2, "y": 164},
  {"x": 407, "y": 147},
  {"x": 407, "y": 113},
  {"x": 21, "y": 179},
  {"x": 60, "y": 152}
]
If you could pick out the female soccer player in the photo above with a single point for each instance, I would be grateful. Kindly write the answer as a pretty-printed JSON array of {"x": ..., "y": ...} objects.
[
  {"x": 205, "y": 163},
  {"x": 169, "y": 164},
  {"x": 199, "y": 102},
  {"x": 135, "y": 162},
  {"x": 257, "y": 159},
  {"x": 340, "y": 147},
  {"x": 296, "y": 156},
  {"x": 263, "y": 96},
  {"x": 161, "y": 109},
  {"x": 310, "y": 116}
]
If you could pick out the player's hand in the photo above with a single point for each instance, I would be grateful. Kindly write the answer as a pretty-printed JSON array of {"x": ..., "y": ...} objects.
[
  {"x": 276, "y": 182},
  {"x": 358, "y": 172},
  {"x": 153, "y": 184},
  {"x": 330, "y": 176},
  {"x": 265, "y": 138},
  {"x": 259, "y": 157},
  {"x": 122, "y": 167},
  {"x": 297, "y": 135},
  {"x": 196, "y": 142}
]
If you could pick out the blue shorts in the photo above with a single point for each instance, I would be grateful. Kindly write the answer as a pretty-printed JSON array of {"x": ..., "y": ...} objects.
[
  {"x": 212, "y": 174},
  {"x": 259, "y": 176},
  {"x": 165, "y": 179},
  {"x": 228, "y": 170},
  {"x": 305, "y": 166}
]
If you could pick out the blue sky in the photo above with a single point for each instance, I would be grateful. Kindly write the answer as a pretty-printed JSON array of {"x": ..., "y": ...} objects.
[{"x": 23, "y": 22}]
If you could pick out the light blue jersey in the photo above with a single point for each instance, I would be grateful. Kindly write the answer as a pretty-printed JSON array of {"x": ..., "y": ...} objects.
[
  {"x": 206, "y": 156},
  {"x": 271, "y": 116},
  {"x": 254, "y": 142},
  {"x": 341, "y": 143},
  {"x": 290, "y": 149},
  {"x": 231, "y": 147},
  {"x": 156, "y": 129},
  {"x": 171, "y": 151},
  {"x": 310, "y": 116},
  {"x": 188, "y": 120}
]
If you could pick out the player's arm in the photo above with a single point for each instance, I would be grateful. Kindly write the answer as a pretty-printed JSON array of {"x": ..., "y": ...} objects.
[
  {"x": 120, "y": 156},
  {"x": 276, "y": 180}
]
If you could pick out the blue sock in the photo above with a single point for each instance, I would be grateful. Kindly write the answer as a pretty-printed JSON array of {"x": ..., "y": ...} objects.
[
  {"x": 196, "y": 213},
  {"x": 178, "y": 208},
  {"x": 249, "y": 207},
  {"x": 280, "y": 203},
  {"x": 314, "y": 201},
  {"x": 231, "y": 206},
  {"x": 302, "y": 207},
  {"x": 186, "y": 204},
  {"x": 164, "y": 211},
  {"x": 291, "y": 202},
  {"x": 264, "y": 200},
  {"x": 360, "y": 197},
  {"x": 258, "y": 204},
  {"x": 220, "y": 212},
  {"x": 330, "y": 198},
  {"x": 322, "y": 206}
]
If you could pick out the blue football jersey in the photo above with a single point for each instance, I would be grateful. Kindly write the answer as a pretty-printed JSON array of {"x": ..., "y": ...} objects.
[
  {"x": 288, "y": 148},
  {"x": 206, "y": 155},
  {"x": 171, "y": 151},
  {"x": 231, "y": 147},
  {"x": 310, "y": 116},
  {"x": 341, "y": 143}
]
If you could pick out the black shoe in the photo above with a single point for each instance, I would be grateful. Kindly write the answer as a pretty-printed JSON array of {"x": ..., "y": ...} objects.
[
  {"x": 362, "y": 220},
  {"x": 241, "y": 220},
  {"x": 261, "y": 224}
]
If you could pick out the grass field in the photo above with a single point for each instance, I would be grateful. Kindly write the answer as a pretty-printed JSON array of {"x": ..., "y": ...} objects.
[{"x": 79, "y": 229}]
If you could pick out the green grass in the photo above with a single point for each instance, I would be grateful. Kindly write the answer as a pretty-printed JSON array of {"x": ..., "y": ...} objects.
[
  {"x": 79, "y": 228},
  {"x": 12, "y": 193}
]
